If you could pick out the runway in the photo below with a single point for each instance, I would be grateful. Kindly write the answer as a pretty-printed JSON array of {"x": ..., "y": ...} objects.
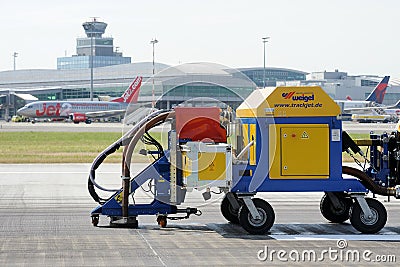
[{"x": 45, "y": 220}]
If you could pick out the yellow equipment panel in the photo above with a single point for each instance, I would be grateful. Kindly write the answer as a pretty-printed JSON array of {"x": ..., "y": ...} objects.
[
  {"x": 249, "y": 134},
  {"x": 211, "y": 166},
  {"x": 186, "y": 165},
  {"x": 301, "y": 151},
  {"x": 253, "y": 147},
  {"x": 245, "y": 134},
  {"x": 282, "y": 101}
]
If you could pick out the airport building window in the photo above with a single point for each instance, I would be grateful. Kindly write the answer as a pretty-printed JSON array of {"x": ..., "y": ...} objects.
[
  {"x": 368, "y": 83},
  {"x": 48, "y": 96},
  {"x": 272, "y": 75},
  {"x": 83, "y": 62}
]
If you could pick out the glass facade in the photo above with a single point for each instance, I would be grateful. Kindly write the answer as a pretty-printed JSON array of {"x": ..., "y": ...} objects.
[
  {"x": 369, "y": 83},
  {"x": 83, "y": 62},
  {"x": 86, "y": 42},
  {"x": 197, "y": 83},
  {"x": 48, "y": 96},
  {"x": 273, "y": 75},
  {"x": 206, "y": 90},
  {"x": 84, "y": 92}
]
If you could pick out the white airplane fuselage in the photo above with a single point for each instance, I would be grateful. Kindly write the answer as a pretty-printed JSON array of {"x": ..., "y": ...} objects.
[
  {"x": 349, "y": 104},
  {"x": 63, "y": 109}
]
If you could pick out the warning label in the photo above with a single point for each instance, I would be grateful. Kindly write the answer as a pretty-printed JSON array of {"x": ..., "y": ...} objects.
[{"x": 304, "y": 135}]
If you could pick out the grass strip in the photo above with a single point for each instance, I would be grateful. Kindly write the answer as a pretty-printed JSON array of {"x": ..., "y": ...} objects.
[
  {"x": 74, "y": 147},
  {"x": 59, "y": 147}
]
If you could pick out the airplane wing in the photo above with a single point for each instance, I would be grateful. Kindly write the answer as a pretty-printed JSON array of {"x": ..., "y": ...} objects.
[
  {"x": 380, "y": 109},
  {"x": 131, "y": 111},
  {"x": 105, "y": 113},
  {"x": 363, "y": 110}
]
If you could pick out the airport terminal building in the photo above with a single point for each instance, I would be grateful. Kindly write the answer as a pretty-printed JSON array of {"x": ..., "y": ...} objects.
[{"x": 172, "y": 85}]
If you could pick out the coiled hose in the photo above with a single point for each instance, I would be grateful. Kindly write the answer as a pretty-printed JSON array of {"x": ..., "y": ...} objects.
[
  {"x": 124, "y": 140},
  {"x": 128, "y": 149},
  {"x": 368, "y": 182}
]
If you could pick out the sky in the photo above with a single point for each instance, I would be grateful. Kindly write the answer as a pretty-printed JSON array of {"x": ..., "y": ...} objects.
[{"x": 358, "y": 37}]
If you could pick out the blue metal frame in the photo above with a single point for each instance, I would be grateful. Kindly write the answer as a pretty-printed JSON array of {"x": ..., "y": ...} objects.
[
  {"x": 379, "y": 158},
  {"x": 158, "y": 171},
  {"x": 259, "y": 180}
]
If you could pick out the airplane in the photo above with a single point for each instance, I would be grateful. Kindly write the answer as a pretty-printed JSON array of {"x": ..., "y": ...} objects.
[
  {"x": 374, "y": 99},
  {"x": 374, "y": 116},
  {"x": 379, "y": 114},
  {"x": 82, "y": 111},
  {"x": 372, "y": 103}
]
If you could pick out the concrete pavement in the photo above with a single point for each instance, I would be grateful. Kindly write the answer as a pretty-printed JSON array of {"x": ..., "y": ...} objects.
[{"x": 45, "y": 221}]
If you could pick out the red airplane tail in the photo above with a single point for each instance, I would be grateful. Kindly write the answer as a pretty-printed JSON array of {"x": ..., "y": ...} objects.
[
  {"x": 131, "y": 94},
  {"x": 379, "y": 91}
]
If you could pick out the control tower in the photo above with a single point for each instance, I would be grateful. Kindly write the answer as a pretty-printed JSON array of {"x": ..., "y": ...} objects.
[{"x": 102, "y": 47}]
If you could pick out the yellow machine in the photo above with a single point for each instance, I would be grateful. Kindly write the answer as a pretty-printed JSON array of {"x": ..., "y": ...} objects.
[{"x": 287, "y": 139}]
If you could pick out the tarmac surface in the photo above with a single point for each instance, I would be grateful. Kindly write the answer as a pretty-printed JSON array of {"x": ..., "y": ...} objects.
[{"x": 45, "y": 221}]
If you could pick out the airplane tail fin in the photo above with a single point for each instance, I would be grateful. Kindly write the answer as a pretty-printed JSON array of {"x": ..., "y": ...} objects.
[
  {"x": 349, "y": 98},
  {"x": 132, "y": 93},
  {"x": 379, "y": 91}
]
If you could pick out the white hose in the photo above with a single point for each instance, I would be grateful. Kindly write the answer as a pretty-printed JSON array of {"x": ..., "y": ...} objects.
[{"x": 245, "y": 149}]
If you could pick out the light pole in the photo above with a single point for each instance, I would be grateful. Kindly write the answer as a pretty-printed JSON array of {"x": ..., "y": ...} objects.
[
  {"x": 264, "y": 40},
  {"x": 153, "y": 42},
  {"x": 15, "y": 54},
  {"x": 91, "y": 63},
  {"x": 90, "y": 26}
]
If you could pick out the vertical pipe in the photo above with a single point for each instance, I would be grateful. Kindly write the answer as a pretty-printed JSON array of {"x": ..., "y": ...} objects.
[
  {"x": 152, "y": 91},
  {"x": 125, "y": 188},
  {"x": 153, "y": 42},
  {"x": 264, "y": 67},
  {"x": 265, "y": 40},
  {"x": 15, "y": 55}
]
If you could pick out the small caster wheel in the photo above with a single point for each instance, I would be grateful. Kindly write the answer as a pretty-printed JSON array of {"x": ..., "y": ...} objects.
[
  {"x": 162, "y": 221},
  {"x": 368, "y": 225},
  {"x": 95, "y": 220},
  {"x": 338, "y": 214},
  {"x": 257, "y": 226},
  {"x": 228, "y": 212}
]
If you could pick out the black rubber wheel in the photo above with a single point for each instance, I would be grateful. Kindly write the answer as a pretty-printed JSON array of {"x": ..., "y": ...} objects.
[
  {"x": 262, "y": 225},
  {"x": 368, "y": 225},
  {"x": 332, "y": 214},
  {"x": 95, "y": 220},
  {"x": 162, "y": 221},
  {"x": 228, "y": 212}
]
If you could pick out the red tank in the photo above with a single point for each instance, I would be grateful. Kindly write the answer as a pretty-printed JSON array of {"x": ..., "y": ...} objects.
[{"x": 199, "y": 124}]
